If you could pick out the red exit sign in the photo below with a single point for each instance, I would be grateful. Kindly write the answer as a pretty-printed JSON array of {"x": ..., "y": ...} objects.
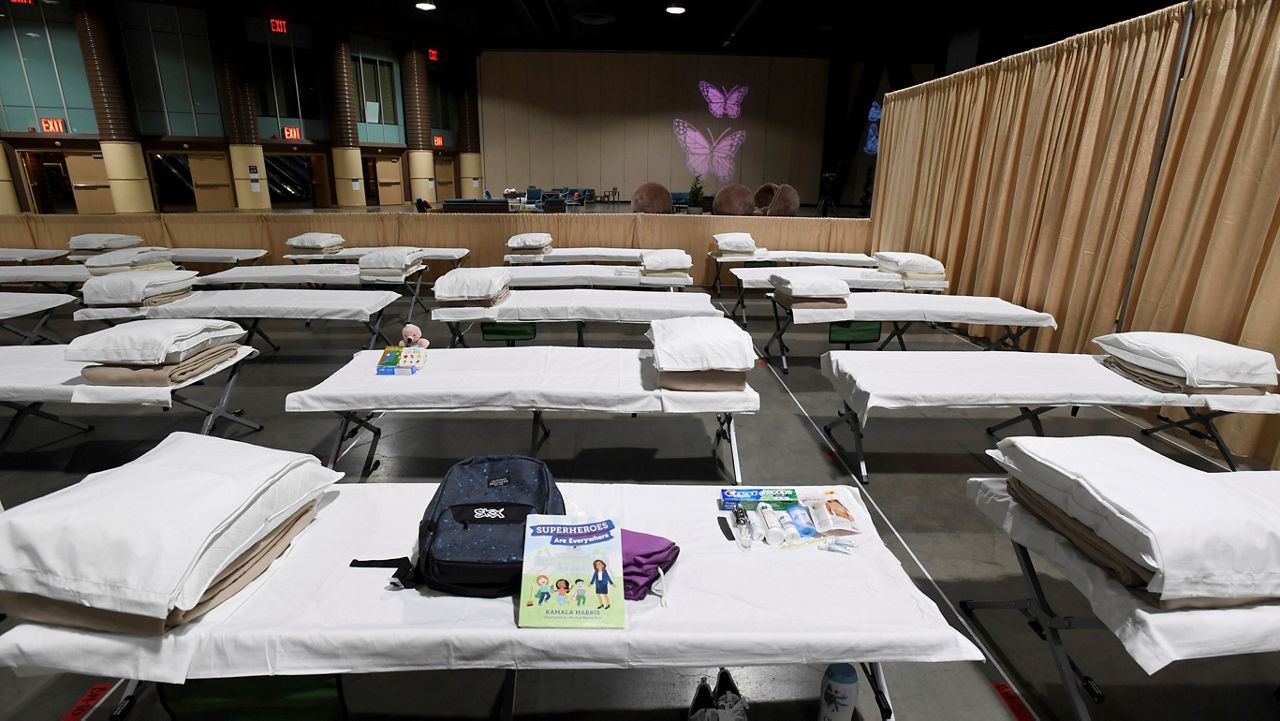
[
  {"x": 437, "y": 141},
  {"x": 52, "y": 125},
  {"x": 433, "y": 54},
  {"x": 22, "y": 2},
  {"x": 279, "y": 25},
  {"x": 292, "y": 132}
]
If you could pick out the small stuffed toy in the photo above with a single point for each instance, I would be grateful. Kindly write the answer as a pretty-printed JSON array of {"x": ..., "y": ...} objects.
[{"x": 412, "y": 336}]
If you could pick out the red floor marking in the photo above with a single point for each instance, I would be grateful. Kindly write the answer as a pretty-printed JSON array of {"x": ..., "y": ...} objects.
[
  {"x": 86, "y": 702},
  {"x": 1011, "y": 699}
]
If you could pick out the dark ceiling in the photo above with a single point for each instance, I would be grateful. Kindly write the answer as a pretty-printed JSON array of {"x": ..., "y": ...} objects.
[{"x": 898, "y": 30}]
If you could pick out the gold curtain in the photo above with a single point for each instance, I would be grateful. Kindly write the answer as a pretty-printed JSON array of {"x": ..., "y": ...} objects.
[
  {"x": 1026, "y": 176},
  {"x": 1210, "y": 262}
]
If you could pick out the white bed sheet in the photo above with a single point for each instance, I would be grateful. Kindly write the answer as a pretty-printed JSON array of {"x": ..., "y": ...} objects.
[
  {"x": 801, "y": 257},
  {"x": 551, "y": 378},
  {"x": 14, "y": 305},
  {"x": 585, "y": 304},
  {"x": 286, "y": 274},
  {"x": 39, "y": 373},
  {"x": 578, "y": 255},
  {"x": 28, "y": 255},
  {"x": 1153, "y": 637},
  {"x": 280, "y": 303},
  {"x": 354, "y": 254},
  {"x": 311, "y": 614},
  {"x": 62, "y": 273},
  {"x": 589, "y": 276},
  {"x": 903, "y": 307},
  {"x": 216, "y": 255},
  {"x": 857, "y": 278},
  {"x": 870, "y": 380}
]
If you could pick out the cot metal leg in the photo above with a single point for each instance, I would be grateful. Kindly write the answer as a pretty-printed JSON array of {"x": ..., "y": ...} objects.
[
  {"x": 846, "y": 416},
  {"x": 715, "y": 282},
  {"x": 1210, "y": 432},
  {"x": 455, "y": 335},
  {"x": 741, "y": 303},
  {"x": 219, "y": 411},
  {"x": 899, "y": 330},
  {"x": 36, "y": 333},
  {"x": 539, "y": 436},
  {"x": 33, "y": 410},
  {"x": 457, "y": 262},
  {"x": 1048, "y": 626},
  {"x": 1027, "y": 414},
  {"x": 726, "y": 431},
  {"x": 374, "y": 325},
  {"x": 874, "y": 674},
  {"x": 1012, "y": 337},
  {"x": 127, "y": 702},
  {"x": 505, "y": 704},
  {"x": 781, "y": 322},
  {"x": 415, "y": 299},
  {"x": 582, "y": 325},
  {"x": 346, "y": 420},
  {"x": 253, "y": 329}
]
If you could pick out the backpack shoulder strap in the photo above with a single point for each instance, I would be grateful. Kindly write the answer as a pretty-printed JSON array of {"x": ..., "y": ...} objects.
[{"x": 405, "y": 575}]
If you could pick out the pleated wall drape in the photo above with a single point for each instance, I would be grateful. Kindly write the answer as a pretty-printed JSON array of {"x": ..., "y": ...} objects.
[{"x": 1026, "y": 176}]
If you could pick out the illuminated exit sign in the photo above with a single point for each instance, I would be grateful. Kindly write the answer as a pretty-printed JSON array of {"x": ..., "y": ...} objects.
[
  {"x": 433, "y": 54},
  {"x": 22, "y": 2},
  {"x": 437, "y": 141},
  {"x": 52, "y": 125},
  {"x": 292, "y": 132},
  {"x": 278, "y": 25}
]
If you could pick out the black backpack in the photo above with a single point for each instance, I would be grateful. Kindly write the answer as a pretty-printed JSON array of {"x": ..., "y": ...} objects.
[{"x": 471, "y": 539}]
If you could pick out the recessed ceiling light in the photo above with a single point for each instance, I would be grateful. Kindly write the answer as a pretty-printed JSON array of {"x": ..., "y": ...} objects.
[
  {"x": 675, "y": 9},
  {"x": 426, "y": 6}
]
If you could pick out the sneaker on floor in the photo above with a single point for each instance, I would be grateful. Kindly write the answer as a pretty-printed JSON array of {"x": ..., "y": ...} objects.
[{"x": 703, "y": 707}]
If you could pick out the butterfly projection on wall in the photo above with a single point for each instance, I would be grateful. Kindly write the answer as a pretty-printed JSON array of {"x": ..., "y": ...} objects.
[
  {"x": 703, "y": 155},
  {"x": 723, "y": 103}
]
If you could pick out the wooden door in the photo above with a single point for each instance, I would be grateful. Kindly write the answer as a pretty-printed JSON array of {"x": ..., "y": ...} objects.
[
  {"x": 390, "y": 181},
  {"x": 211, "y": 179},
  {"x": 88, "y": 173},
  {"x": 446, "y": 178}
]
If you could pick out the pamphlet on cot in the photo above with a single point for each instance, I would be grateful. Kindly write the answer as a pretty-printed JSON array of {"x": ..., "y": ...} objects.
[{"x": 572, "y": 574}]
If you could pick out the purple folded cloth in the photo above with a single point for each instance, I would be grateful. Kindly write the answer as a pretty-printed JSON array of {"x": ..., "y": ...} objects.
[{"x": 642, "y": 555}]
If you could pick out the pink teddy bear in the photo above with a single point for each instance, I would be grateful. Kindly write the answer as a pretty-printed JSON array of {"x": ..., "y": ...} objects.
[{"x": 412, "y": 336}]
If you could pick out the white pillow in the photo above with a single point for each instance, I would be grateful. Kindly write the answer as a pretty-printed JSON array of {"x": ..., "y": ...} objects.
[
  {"x": 314, "y": 241},
  {"x": 1202, "y": 362},
  {"x": 908, "y": 263},
  {"x": 735, "y": 242},
  {"x": 1204, "y": 535},
  {"x": 102, "y": 241},
  {"x": 700, "y": 344},
  {"x": 143, "y": 255},
  {"x": 134, "y": 287},
  {"x": 392, "y": 258},
  {"x": 809, "y": 285},
  {"x": 150, "y": 536},
  {"x": 472, "y": 283},
  {"x": 665, "y": 260},
  {"x": 151, "y": 342},
  {"x": 529, "y": 240}
]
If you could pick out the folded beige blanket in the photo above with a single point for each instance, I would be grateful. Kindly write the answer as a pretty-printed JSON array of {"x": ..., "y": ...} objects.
[
  {"x": 1163, "y": 383},
  {"x": 163, "y": 265},
  {"x": 794, "y": 301},
  {"x": 391, "y": 272},
  {"x": 925, "y": 276},
  {"x": 163, "y": 298},
  {"x": 528, "y": 251},
  {"x": 711, "y": 380},
  {"x": 238, "y": 574},
  {"x": 479, "y": 302},
  {"x": 158, "y": 376},
  {"x": 673, "y": 273},
  {"x": 732, "y": 254}
]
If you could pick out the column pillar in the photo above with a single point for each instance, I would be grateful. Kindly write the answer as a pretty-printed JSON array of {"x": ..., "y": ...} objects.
[
  {"x": 8, "y": 193},
  {"x": 417, "y": 125},
  {"x": 348, "y": 171},
  {"x": 470, "y": 164},
  {"x": 121, "y": 151},
  {"x": 241, "y": 116}
]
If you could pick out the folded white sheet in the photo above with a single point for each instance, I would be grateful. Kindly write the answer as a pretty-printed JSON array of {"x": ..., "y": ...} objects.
[
  {"x": 128, "y": 258},
  {"x": 314, "y": 241},
  {"x": 102, "y": 241},
  {"x": 1203, "y": 362},
  {"x": 472, "y": 283},
  {"x": 134, "y": 287},
  {"x": 652, "y": 260},
  {"x": 809, "y": 285},
  {"x": 1205, "y": 535},
  {"x": 700, "y": 344},
  {"x": 152, "y": 342},
  {"x": 151, "y": 535},
  {"x": 908, "y": 263},
  {"x": 735, "y": 242},
  {"x": 391, "y": 258},
  {"x": 529, "y": 240}
]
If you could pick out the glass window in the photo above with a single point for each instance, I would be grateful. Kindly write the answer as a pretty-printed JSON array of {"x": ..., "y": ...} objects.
[
  {"x": 170, "y": 66},
  {"x": 376, "y": 90}
]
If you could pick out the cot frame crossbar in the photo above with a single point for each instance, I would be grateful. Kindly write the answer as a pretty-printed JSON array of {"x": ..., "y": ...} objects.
[
  {"x": 1048, "y": 626},
  {"x": 36, "y": 333},
  {"x": 23, "y": 411}
]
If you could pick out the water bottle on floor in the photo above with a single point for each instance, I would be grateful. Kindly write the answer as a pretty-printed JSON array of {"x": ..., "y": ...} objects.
[{"x": 839, "y": 693}]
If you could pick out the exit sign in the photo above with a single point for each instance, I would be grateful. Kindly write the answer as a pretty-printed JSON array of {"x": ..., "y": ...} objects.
[
  {"x": 278, "y": 25},
  {"x": 437, "y": 141},
  {"x": 433, "y": 54},
  {"x": 292, "y": 132},
  {"x": 21, "y": 2},
  {"x": 52, "y": 125}
]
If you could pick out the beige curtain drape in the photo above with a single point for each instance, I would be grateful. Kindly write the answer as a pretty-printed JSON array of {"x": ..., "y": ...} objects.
[
  {"x": 1210, "y": 261},
  {"x": 1026, "y": 176}
]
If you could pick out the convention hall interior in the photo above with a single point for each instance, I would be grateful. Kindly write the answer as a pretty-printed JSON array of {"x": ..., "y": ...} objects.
[{"x": 697, "y": 360}]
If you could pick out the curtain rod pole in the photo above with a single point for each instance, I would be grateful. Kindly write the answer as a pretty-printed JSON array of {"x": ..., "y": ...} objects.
[{"x": 1157, "y": 160}]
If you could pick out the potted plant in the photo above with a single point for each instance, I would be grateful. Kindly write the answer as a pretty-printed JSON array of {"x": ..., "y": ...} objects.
[{"x": 695, "y": 196}]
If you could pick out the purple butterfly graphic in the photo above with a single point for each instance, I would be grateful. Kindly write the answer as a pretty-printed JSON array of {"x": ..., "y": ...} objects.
[
  {"x": 721, "y": 102},
  {"x": 704, "y": 155}
]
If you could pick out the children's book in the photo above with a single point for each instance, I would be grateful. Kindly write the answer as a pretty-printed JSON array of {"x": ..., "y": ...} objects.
[
  {"x": 572, "y": 574},
  {"x": 401, "y": 361}
]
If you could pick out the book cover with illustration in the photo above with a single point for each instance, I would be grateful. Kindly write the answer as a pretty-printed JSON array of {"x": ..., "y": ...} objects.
[{"x": 572, "y": 574}]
